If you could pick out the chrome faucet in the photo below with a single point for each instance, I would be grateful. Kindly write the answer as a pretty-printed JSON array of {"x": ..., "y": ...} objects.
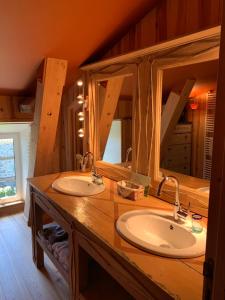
[
  {"x": 178, "y": 212},
  {"x": 127, "y": 156},
  {"x": 96, "y": 178}
]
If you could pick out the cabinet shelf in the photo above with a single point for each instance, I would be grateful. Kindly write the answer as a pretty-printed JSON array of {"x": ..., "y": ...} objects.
[{"x": 53, "y": 259}]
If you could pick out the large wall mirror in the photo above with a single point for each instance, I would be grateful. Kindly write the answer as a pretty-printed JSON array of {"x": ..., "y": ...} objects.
[
  {"x": 115, "y": 96},
  {"x": 158, "y": 119},
  {"x": 187, "y": 147},
  {"x": 185, "y": 103}
]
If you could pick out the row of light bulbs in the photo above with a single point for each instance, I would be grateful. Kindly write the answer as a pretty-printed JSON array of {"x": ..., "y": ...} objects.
[{"x": 81, "y": 101}]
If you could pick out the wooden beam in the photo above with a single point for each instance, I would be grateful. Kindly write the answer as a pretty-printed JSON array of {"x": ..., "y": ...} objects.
[
  {"x": 171, "y": 114},
  {"x": 109, "y": 107},
  {"x": 53, "y": 82}
]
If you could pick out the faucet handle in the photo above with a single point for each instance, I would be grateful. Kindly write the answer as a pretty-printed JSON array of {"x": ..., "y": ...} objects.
[{"x": 182, "y": 212}]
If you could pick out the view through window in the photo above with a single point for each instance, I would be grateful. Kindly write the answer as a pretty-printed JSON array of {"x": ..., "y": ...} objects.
[{"x": 7, "y": 168}]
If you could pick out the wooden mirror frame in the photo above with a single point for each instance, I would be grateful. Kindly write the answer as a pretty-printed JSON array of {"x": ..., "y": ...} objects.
[
  {"x": 198, "y": 200},
  {"x": 107, "y": 169}
]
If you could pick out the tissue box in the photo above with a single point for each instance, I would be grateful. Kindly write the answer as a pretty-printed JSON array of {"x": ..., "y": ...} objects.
[{"x": 130, "y": 190}]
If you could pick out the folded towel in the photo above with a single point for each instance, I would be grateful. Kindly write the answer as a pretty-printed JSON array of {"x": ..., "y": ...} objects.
[
  {"x": 44, "y": 240},
  {"x": 54, "y": 233},
  {"x": 61, "y": 253}
]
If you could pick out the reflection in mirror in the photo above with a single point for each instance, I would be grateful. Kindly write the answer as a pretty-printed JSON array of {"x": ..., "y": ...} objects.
[
  {"x": 187, "y": 123},
  {"x": 116, "y": 100}
]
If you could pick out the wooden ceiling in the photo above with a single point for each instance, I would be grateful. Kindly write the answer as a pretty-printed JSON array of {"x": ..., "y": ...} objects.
[
  {"x": 73, "y": 30},
  {"x": 205, "y": 74}
]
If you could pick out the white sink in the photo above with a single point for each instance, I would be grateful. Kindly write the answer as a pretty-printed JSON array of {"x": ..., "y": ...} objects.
[
  {"x": 156, "y": 232},
  {"x": 77, "y": 186}
]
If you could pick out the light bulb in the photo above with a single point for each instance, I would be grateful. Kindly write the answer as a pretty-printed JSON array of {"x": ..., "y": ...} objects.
[
  {"x": 81, "y": 132},
  {"x": 80, "y": 99},
  {"x": 79, "y": 82},
  {"x": 81, "y": 135},
  {"x": 81, "y": 116}
]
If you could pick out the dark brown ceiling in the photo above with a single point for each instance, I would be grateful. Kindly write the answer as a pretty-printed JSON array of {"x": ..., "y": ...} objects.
[{"x": 31, "y": 30}]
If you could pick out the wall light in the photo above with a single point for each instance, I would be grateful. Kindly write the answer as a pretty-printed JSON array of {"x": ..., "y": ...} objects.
[
  {"x": 193, "y": 103},
  {"x": 81, "y": 116},
  {"x": 79, "y": 82},
  {"x": 81, "y": 132},
  {"x": 80, "y": 99}
]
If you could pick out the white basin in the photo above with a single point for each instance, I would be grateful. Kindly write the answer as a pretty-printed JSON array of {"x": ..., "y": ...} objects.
[
  {"x": 77, "y": 186},
  {"x": 156, "y": 232}
]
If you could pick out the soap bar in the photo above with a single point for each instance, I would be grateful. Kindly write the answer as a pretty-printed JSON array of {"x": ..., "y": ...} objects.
[{"x": 130, "y": 190}]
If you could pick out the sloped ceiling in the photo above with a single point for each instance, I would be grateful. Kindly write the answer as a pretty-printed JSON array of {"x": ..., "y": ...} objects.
[{"x": 31, "y": 30}]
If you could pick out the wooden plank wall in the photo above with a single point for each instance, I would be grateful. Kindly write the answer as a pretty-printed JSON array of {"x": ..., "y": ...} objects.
[
  {"x": 70, "y": 143},
  {"x": 169, "y": 20}
]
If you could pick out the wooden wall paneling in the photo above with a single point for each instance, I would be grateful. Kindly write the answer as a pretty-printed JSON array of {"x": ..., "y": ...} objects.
[
  {"x": 197, "y": 117},
  {"x": 109, "y": 107},
  {"x": 69, "y": 136},
  {"x": 168, "y": 20},
  {"x": 214, "y": 284},
  {"x": 17, "y": 114},
  {"x": 53, "y": 82},
  {"x": 5, "y": 108}
]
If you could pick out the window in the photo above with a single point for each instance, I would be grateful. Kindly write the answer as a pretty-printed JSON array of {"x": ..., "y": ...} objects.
[
  {"x": 10, "y": 170},
  {"x": 112, "y": 152}
]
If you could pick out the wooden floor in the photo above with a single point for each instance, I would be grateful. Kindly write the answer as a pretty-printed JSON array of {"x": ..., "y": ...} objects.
[{"x": 19, "y": 277}]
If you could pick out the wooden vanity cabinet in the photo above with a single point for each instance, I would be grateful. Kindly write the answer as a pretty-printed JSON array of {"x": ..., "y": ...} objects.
[{"x": 96, "y": 271}]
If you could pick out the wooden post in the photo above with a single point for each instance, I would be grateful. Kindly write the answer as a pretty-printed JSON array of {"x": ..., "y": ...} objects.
[
  {"x": 53, "y": 82},
  {"x": 44, "y": 127}
]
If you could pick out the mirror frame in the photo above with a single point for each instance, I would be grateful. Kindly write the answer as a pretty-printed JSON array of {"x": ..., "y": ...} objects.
[
  {"x": 198, "y": 200},
  {"x": 110, "y": 170}
]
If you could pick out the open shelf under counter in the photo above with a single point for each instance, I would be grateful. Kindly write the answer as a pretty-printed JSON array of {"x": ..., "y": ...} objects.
[{"x": 53, "y": 259}]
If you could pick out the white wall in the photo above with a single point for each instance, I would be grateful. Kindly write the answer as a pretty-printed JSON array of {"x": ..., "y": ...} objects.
[{"x": 25, "y": 149}]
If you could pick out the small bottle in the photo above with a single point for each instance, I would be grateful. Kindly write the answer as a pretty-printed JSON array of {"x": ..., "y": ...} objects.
[{"x": 197, "y": 223}]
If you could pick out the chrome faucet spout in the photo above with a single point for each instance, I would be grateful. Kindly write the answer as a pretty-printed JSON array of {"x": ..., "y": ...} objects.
[
  {"x": 127, "y": 156},
  {"x": 96, "y": 178},
  {"x": 177, "y": 207}
]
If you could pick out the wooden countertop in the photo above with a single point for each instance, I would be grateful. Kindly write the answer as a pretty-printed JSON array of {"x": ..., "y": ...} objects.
[{"x": 181, "y": 278}]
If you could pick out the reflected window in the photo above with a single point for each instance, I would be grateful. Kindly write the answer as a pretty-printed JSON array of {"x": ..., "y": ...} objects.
[
  {"x": 9, "y": 181},
  {"x": 112, "y": 152}
]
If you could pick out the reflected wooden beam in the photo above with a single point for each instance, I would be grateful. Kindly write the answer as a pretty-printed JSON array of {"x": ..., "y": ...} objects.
[
  {"x": 109, "y": 107},
  {"x": 172, "y": 112}
]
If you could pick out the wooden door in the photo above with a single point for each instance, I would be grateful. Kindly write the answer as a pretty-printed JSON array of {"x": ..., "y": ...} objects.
[{"x": 214, "y": 268}]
